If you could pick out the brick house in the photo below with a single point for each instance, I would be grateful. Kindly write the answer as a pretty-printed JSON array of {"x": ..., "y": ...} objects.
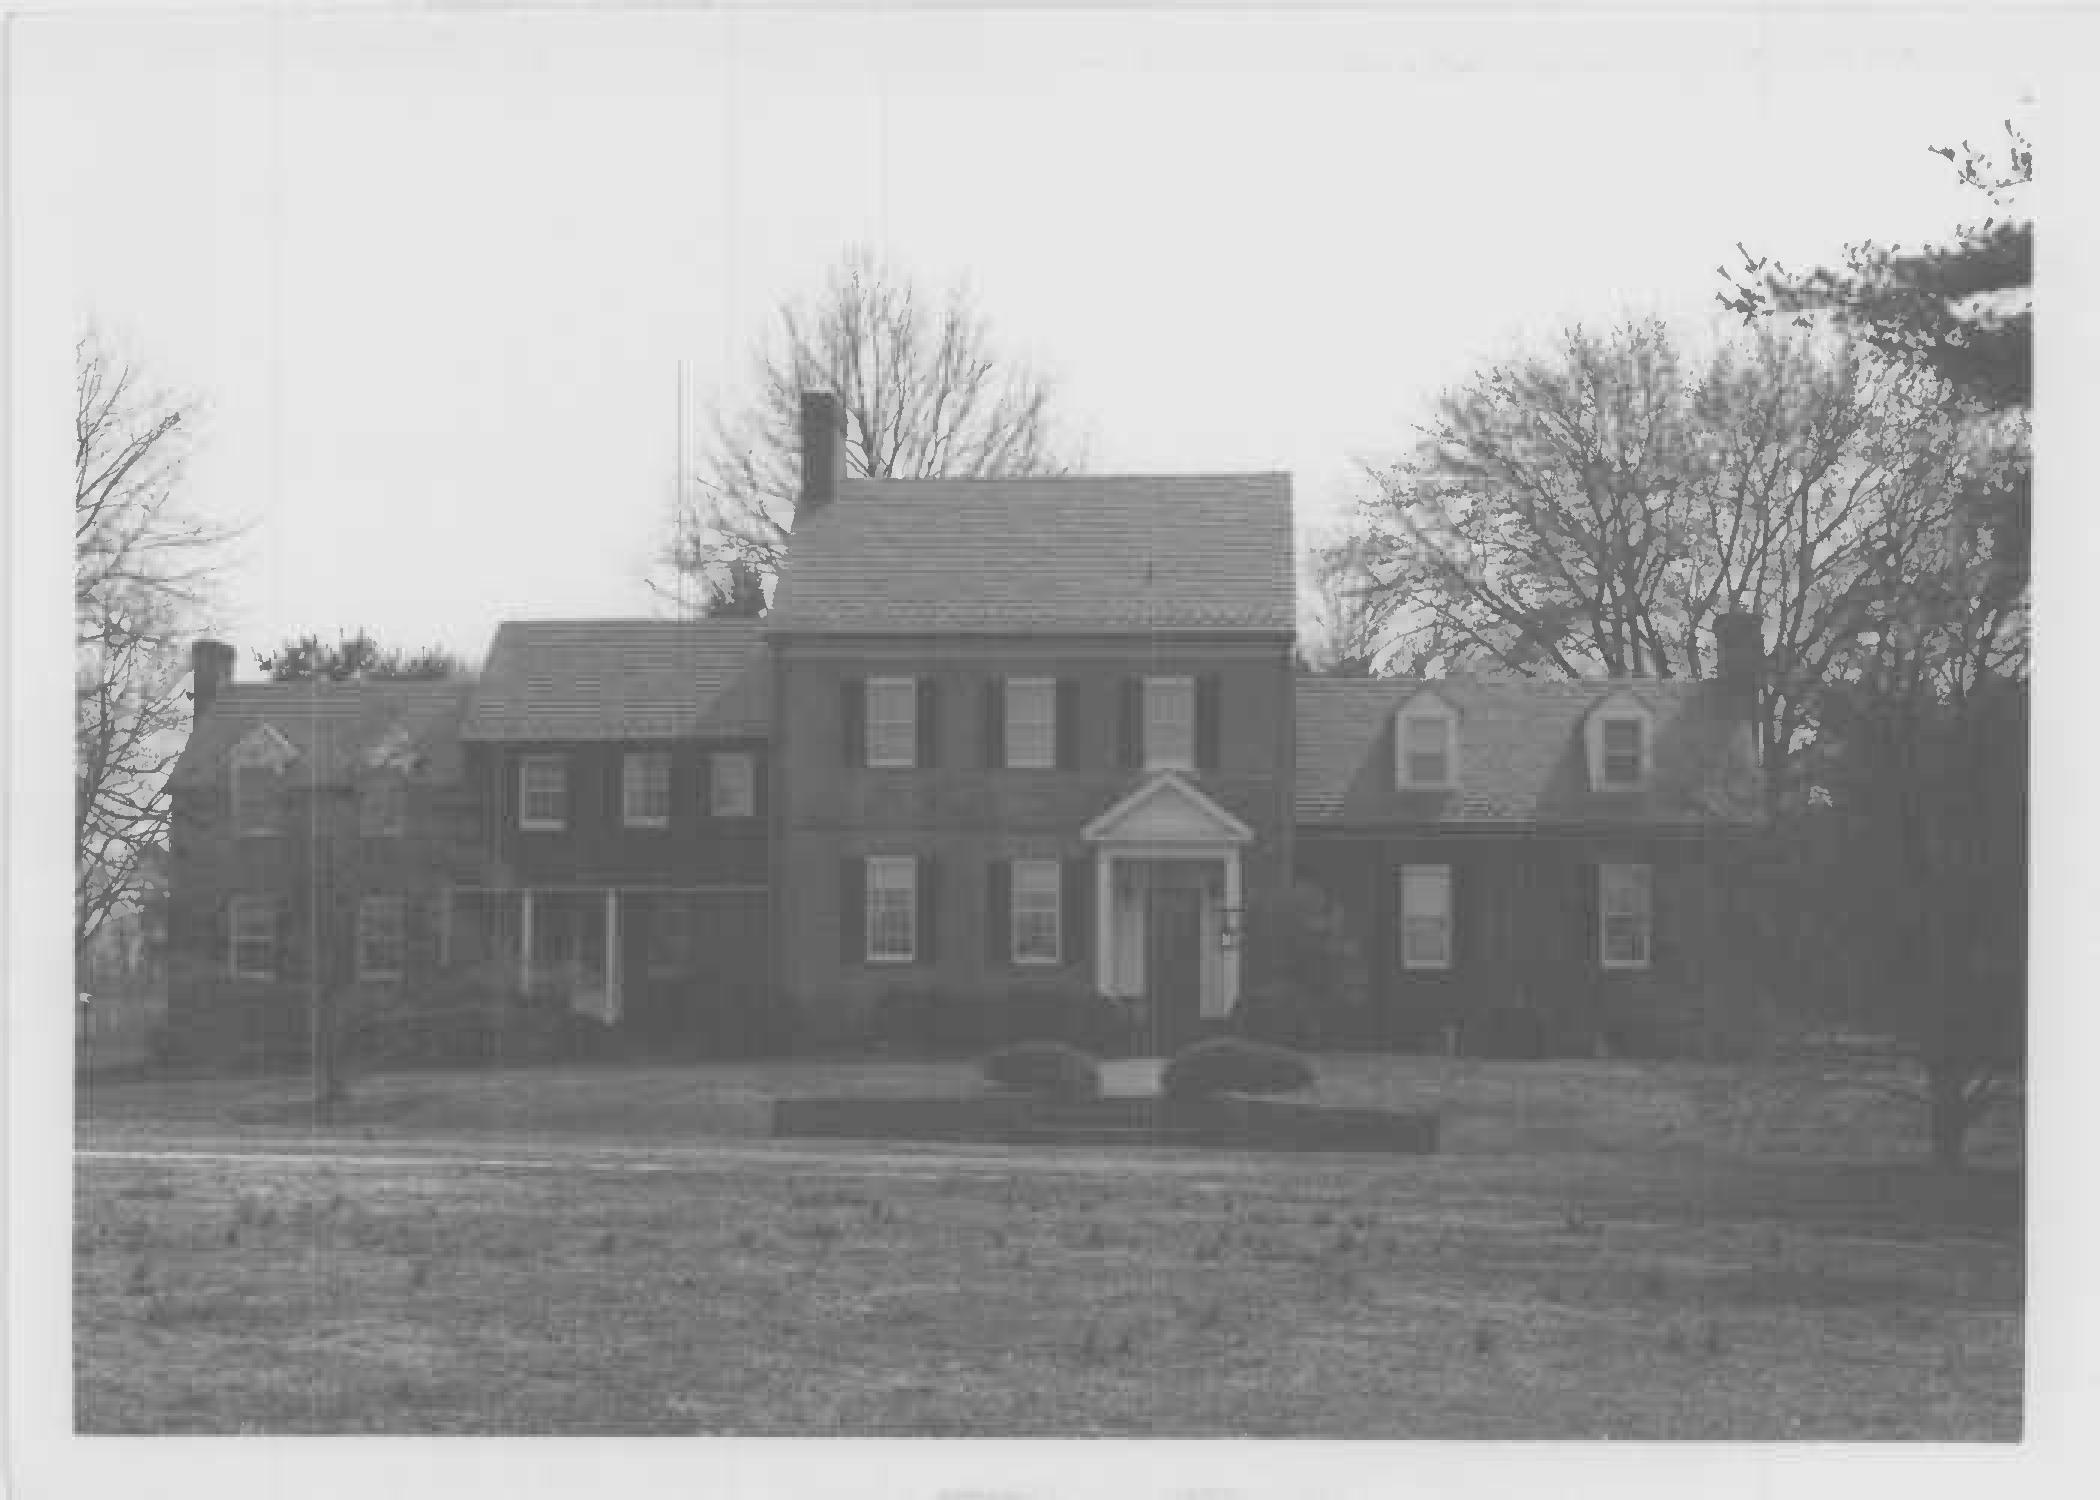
[{"x": 991, "y": 734}]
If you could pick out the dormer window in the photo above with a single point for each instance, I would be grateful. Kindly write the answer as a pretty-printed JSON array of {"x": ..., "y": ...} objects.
[
  {"x": 257, "y": 774},
  {"x": 1425, "y": 743},
  {"x": 1619, "y": 738}
]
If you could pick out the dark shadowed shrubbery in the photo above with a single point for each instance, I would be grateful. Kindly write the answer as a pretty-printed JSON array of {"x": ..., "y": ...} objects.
[
  {"x": 924, "y": 1019},
  {"x": 1234, "y": 1065},
  {"x": 1054, "y": 1069},
  {"x": 1062, "y": 1011}
]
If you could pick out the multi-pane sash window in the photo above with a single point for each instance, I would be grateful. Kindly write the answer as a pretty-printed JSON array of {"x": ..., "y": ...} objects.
[
  {"x": 893, "y": 721},
  {"x": 893, "y": 908},
  {"x": 381, "y": 936},
  {"x": 732, "y": 785},
  {"x": 1425, "y": 916},
  {"x": 1031, "y": 722},
  {"x": 1170, "y": 723},
  {"x": 543, "y": 792},
  {"x": 1622, "y": 752},
  {"x": 1428, "y": 750},
  {"x": 1625, "y": 901},
  {"x": 1036, "y": 886},
  {"x": 382, "y": 808},
  {"x": 645, "y": 789},
  {"x": 252, "y": 924}
]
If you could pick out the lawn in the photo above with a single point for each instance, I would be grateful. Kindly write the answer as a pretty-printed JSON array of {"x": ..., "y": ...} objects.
[{"x": 1604, "y": 1249}]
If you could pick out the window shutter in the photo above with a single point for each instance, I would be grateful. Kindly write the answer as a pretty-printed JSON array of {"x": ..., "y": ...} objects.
[
  {"x": 1131, "y": 727},
  {"x": 1075, "y": 912},
  {"x": 994, "y": 722},
  {"x": 1067, "y": 724},
  {"x": 928, "y": 723},
  {"x": 853, "y": 721},
  {"x": 1207, "y": 722},
  {"x": 999, "y": 912},
  {"x": 928, "y": 902},
  {"x": 853, "y": 910}
]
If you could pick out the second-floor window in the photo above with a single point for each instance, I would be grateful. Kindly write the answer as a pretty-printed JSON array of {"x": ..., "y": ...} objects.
[
  {"x": 543, "y": 793},
  {"x": 732, "y": 785},
  {"x": 645, "y": 789},
  {"x": 381, "y": 937},
  {"x": 1170, "y": 723},
  {"x": 382, "y": 808},
  {"x": 893, "y": 721},
  {"x": 1031, "y": 722}
]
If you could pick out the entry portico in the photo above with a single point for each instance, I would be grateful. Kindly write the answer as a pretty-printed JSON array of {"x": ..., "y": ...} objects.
[{"x": 1167, "y": 901}]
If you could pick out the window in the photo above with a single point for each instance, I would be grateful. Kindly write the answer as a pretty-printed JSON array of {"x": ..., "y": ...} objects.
[
  {"x": 1622, "y": 752},
  {"x": 1036, "y": 885},
  {"x": 543, "y": 792},
  {"x": 255, "y": 798},
  {"x": 645, "y": 789},
  {"x": 381, "y": 922},
  {"x": 1624, "y": 900},
  {"x": 1031, "y": 723},
  {"x": 1425, "y": 916},
  {"x": 732, "y": 785},
  {"x": 1170, "y": 723},
  {"x": 253, "y": 930},
  {"x": 893, "y": 721},
  {"x": 382, "y": 808},
  {"x": 893, "y": 908},
  {"x": 1426, "y": 750}
]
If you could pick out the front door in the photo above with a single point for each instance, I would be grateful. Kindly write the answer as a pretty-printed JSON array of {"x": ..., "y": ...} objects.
[{"x": 1173, "y": 964}]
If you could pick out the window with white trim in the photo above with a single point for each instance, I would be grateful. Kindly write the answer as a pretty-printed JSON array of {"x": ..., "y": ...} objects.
[
  {"x": 893, "y": 721},
  {"x": 1425, "y": 749},
  {"x": 893, "y": 908},
  {"x": 1037, "y": 886},
  {"x": 1170, "y": 723},
  {"x": 1624, "y": 751},
  {"x": 382, "y": 804},
  {"x": 543, "y": 793},
  {"x": 732, "y": 785},
  {"x": 1425, "y": 916},
  {"x": 382, "y": 941},
  {"x": 252, "y": 937},
  {"x": 1031, "y": 723},
  {"x": 1625, "y": 905},
  {"x": 645, "y": 789}
]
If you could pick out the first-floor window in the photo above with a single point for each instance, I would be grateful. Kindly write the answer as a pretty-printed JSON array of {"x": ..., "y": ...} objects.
[
  {"x": 1626, "y": 902},
  {"x": 893, "y": 908},
  {"x": 253, "y": 923},
  {"x": 543, "y": 792},
  {"x": 1036, "y": 885},
  {"x": 1425, "y": 916},
  {"x": 645, "y": 789},
  {"x": 381, "y": 938}
]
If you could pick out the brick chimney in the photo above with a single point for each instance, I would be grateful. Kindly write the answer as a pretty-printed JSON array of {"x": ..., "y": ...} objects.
[
  {"x": 1739, "y": 660},
  {"x": 823, "y": 451},
  {"x": 211, "y": 665}
]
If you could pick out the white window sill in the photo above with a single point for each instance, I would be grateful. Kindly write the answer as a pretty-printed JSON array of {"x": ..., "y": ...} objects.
[
  {"x": 1037, "y": 963},
  {"x": 893, "y": 765},
  {"x": 1622, "y": 964},
  {"x": 1424, "y": 966},
  {"x": 731, "y": 817},
  {"x": 537, "y": 827},
  {"x": 1030, "y": 765},
  {"x": 647, "y": 823},
  {"x": 890, "y": 960}
]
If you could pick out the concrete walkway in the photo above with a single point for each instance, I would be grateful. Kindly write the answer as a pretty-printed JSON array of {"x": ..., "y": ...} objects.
[{"x": 1131, "y": 1077}]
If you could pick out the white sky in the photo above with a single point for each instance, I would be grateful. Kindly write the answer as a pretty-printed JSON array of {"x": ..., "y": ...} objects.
[{"x": 434, "y": 274}]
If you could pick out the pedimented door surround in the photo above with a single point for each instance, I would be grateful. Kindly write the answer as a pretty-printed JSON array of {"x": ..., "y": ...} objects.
[{"x": 1172, "y": 822}]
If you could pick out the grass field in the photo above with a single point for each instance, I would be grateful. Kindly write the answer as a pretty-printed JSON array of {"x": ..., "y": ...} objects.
[{"x": 1603, "y": 1249}]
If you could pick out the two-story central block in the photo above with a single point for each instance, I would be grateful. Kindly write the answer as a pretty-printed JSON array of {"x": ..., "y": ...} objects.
[{"x": 1028, "y": 729}]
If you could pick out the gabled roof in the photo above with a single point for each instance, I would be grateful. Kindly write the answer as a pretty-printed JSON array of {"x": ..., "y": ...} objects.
[
  {"x": 330, "y": 727},
  {"x": 622, "y": 680},
  {"x": 1082, "y": 554},
  {"x": 1520, "y": 756},
  {"x": 1167, "y": 809}
]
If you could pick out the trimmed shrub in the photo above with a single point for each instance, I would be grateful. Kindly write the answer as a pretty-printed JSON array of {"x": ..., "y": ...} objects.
[
  {"x": 1279, "y": 1014},
  {"x": 1053, "y": 1069},
  {"x": 916, "y": 1018},
  {"x": 1305, "y": 975},
  {"x": 1234, "y": 1065}
]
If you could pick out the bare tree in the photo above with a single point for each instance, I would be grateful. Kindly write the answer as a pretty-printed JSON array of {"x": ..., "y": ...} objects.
[
  {"x": 143, "y": 566},
  {"x": 926, "y": 395}
]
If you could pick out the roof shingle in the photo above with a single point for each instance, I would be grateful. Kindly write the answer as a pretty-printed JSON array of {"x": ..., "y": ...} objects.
[
  {"x": 622, "y": 680},
  {"x": 330, "y": 725},
  {"x": 1075, "y": 554}
]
